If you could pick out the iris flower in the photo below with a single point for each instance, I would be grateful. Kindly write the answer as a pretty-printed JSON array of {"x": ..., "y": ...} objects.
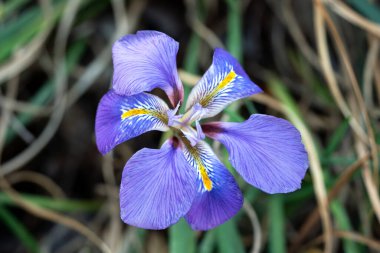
[{"x": 184, "y": 178}]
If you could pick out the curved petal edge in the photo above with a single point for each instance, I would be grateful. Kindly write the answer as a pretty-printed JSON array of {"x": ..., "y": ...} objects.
[
  {"x": 218, "y": 197},
  {"x": 157, "y": 187},
  {"x": 224, "y": 82},
  {"x": 145, "y": 61},
  {"x": 120, "y": 118},
  {"x": 266, "y": 151}
]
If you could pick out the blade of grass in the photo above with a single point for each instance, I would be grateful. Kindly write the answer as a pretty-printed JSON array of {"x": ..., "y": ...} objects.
[
  {"x": 19, "y": 230},
  {"x": 63, "y": 205},
  {"x": 20, "y": 31},
  {"x": 337, "y": 137},
  {"x": 277, "y": 240},
  {"x": 234, "y": 25},
  {"x": 207, "y": 245},
  {"x": 181, "y": 238},
  {"x": 228, "y": 238},
  {"x": 250, "y": 107},
  {"x": 343, "y": 222},
  {"x": 13, "y": 35}
]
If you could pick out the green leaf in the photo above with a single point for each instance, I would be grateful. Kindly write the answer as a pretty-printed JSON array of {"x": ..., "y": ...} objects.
[
  {"x": 19, "y": 230},
  {"x": 16, "y": 33},
  {"x": 181, "y": 238},
  {"x": 343, "y": 223},
  {"x": 337, "y": 137},
  {"x": 250, "y": 106},
  {"x": 207, "y": 245},
  {"x": 228, "y": 238},
  {"x": 234, "y": 26},
  {"x": 276, "y": 225},
  {"x": 63, "y": 205}
]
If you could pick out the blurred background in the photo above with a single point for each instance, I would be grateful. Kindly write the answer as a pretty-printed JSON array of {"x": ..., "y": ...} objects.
[{"x": 317, "y": 61}]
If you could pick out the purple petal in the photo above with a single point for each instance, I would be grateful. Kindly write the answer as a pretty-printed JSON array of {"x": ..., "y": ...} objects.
[
  {"x": 145, "y": 61},
  {"x": 120, "y": 118},
  {"x": 266, "y": 151},
  {"x": 224, "y": 82},
  {"x": 219, "y": 197},
  {"x": 157, "y": 187}
]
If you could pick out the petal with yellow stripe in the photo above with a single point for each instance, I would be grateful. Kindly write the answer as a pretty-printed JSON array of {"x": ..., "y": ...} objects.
[
  {"x": 157, "y": 187},
  {"x": 120, "y": 118},
  {"x": 224, "y": 82},
  {"x": 218, "y": 197}
]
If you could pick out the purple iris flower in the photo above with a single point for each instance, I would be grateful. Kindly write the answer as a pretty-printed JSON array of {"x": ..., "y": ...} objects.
[{"x": 184, "y": 178}]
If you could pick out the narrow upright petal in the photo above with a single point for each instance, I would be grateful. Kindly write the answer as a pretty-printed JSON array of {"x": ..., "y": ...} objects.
[
  {"x": 224, "y": 82},
  {"x": 157, "y": 187},
  {"x": 120, "y": 118},
  {"x": 145, "y": 61},
  {"x": 219, "y": 197},
  {"x": 266, "y": 151}
]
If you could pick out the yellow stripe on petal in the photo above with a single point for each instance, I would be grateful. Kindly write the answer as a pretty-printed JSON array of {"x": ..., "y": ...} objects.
[
  {"x": 207, "y": 183},
  {"x": 141, "y": 111},
  {"x": 227, "y": 80},
  {"x": 134, "y": 112}
]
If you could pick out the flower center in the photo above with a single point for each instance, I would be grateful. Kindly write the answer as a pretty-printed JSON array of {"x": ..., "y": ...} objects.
[{"x": 183, "y": 123}]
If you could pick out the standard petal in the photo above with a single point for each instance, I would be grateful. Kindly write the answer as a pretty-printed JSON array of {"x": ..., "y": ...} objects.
[
  {"x": 145, "y": 61},
  {"x": 224, "y": 82},
  {"x": 120, "y": 118},
  {"x": 266, "y": 151},
  {"x": 157, "y": 187},
  {"x": 219, "y": 197}
]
